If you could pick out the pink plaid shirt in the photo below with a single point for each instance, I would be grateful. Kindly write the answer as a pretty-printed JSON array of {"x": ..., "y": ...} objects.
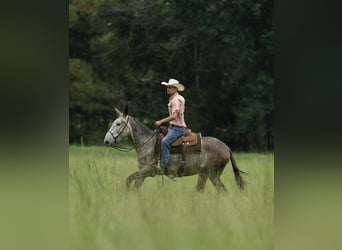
[{"x": 177, "y": 104}]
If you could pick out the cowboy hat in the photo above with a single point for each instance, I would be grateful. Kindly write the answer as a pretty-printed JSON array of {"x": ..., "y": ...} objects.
[{"x": 174, "y": 83}]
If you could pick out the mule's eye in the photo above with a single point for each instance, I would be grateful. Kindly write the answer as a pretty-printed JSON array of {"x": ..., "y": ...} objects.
[{"x": 118, "y": 124}]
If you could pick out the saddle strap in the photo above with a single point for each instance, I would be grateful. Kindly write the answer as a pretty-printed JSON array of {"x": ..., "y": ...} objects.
[
  {"x": 157, "y": 146},
  {"x": 181, "y": 168}
]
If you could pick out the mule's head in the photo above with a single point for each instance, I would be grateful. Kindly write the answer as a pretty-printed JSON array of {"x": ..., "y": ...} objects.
[{"x": 119, "y": 129}]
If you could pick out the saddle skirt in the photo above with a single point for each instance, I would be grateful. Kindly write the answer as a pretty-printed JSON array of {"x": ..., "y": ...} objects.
[
  {"x": 187, "y": 144},
  {"x": 188, "y": 140}
]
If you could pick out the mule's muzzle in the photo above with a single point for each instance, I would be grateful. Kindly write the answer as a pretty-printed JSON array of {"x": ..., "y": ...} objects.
[{"x": 108, "y": 140}]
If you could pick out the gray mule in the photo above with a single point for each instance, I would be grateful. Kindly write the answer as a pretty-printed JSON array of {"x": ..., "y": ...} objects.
[{"x": 209, "y": 163}]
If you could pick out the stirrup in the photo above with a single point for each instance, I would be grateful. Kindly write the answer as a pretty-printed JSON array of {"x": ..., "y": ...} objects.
[
  {"x": 171, "y": 177},
  {"x": 170, "y": 174},
  {"x": 159, "y": 169},
  {"x": 161, "y": 172}
]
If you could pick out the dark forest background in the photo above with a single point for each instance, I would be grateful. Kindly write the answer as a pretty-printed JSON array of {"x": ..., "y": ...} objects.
[{"x": 222, "y": 51}]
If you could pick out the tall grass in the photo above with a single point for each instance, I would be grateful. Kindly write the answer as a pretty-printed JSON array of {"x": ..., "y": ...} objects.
[{"x": 165, "y": 214}]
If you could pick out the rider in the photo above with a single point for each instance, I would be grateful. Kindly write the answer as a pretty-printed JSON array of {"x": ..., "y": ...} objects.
[{"x": 176, "y": 107}]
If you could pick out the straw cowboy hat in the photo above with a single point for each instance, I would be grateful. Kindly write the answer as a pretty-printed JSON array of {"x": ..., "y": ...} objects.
[{"x": 174, "y": 83}]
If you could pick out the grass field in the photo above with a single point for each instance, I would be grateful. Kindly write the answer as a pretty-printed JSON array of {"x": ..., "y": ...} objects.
[{"x": 163, "y": 214}]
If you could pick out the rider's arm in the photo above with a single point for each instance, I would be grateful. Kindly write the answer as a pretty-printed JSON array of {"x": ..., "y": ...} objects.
[{"x": 167, "y": 119}]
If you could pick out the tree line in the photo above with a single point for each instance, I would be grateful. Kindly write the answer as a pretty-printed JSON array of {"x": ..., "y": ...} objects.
[{"x": 222, "y": 51}]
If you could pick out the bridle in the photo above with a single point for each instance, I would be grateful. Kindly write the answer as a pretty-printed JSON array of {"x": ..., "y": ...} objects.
[
  {"x": 117, "y": 147},
  {"x": 126, "y": 149}
]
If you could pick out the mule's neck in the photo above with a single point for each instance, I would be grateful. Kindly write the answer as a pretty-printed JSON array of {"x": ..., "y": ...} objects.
[{"x": 141, "y": 136}]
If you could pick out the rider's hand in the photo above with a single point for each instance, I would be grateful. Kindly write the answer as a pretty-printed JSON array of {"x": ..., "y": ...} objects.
[{"x": 157, "y": 123}]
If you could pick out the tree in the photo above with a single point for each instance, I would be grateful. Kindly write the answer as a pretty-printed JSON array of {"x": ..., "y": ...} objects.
[{"x": 221, "y": 50}]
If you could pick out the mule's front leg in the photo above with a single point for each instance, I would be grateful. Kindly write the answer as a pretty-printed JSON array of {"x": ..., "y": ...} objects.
[
  {"x": 139, "y": 177},
  {"x": 131, "y": 178}
]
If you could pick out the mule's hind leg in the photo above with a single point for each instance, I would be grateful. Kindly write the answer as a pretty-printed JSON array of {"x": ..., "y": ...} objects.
[
  {"x": 201, "y": 181},
  {"x": 216, "y": 181}
]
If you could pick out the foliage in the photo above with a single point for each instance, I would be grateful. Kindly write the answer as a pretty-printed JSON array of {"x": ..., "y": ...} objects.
[
  {"x": 221, "y": 50},
  {"x": 90, "y": 103}
]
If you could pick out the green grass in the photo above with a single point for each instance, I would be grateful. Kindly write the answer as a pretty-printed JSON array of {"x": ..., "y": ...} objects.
[{"x": 164, "y": 214}]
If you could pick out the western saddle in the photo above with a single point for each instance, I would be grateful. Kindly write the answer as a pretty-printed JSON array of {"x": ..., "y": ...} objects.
[
  {"x": 189, "y": 142},
  {"x": 188, "y": 138}
]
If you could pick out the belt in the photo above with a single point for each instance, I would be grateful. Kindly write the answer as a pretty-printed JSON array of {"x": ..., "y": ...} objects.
[{"x": 171, "y": 125}]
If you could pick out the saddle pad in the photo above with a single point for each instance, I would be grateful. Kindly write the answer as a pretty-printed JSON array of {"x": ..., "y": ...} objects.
[{"x": 196, "y": 148}]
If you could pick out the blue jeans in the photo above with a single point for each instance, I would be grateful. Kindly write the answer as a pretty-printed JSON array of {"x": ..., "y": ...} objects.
[{"x": 172, "y": 134}]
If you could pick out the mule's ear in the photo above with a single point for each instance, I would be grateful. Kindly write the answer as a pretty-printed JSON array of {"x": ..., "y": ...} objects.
[
  {"x": 118, "y": 112},
  {"x": 126, "y": 110}
]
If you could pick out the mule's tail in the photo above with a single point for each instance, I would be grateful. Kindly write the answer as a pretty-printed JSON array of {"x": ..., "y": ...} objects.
[{"x": 237, "y": 172}]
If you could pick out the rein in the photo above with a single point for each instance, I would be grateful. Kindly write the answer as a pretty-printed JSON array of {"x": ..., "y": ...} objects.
[{"x": 123, "y": 149}]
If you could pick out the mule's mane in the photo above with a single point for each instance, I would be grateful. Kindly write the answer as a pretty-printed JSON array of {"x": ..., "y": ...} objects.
[{"x": 139, "y": 128}]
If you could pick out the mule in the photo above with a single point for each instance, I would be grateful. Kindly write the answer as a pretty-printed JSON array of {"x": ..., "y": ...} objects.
[{"x": 209, "y": 163}]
